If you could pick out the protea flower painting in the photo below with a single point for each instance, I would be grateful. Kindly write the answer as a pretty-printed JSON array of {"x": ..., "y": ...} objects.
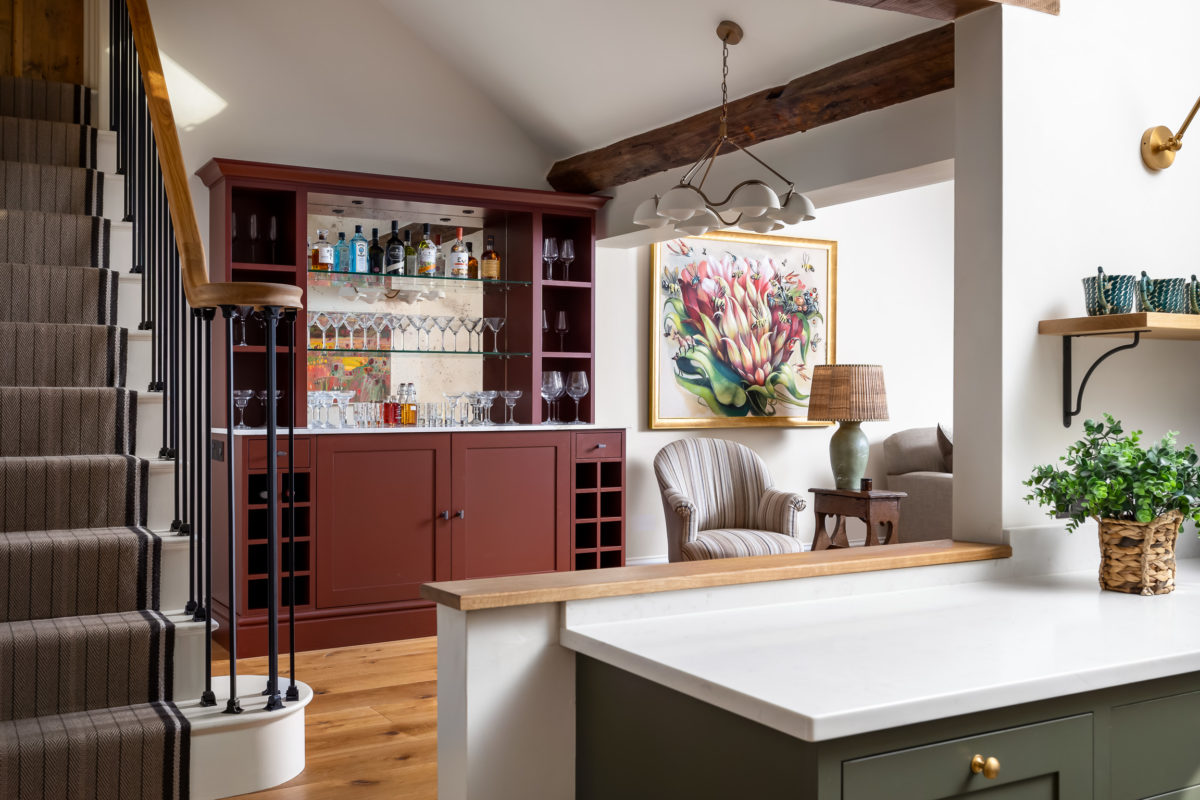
[{"x": 741, "y": 325}]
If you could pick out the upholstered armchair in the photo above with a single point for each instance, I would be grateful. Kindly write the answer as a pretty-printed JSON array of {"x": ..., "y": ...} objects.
[{"x": 720, "y": 502}]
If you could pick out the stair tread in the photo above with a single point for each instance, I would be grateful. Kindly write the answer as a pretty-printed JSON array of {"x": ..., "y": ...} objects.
[{"x": 35, "y": 98}]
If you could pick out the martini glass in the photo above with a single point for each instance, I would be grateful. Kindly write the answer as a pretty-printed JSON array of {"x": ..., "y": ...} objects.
[
  {"x": 335, "y": 321},
  {"x": 323, "y": 323},
  {"x": 494, "y": 324},
  {"x": 442, "y": 324},
  {"x": 456, "y": 325},
  {"x": 427, "y": 325},
  {"x": 405, "y": 322}
]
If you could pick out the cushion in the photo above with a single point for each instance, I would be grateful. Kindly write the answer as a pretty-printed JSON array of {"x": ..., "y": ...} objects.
[
  {"x": 945, "y": 439},
  {"x": 737, "y": 542},
  {"x": 913, "y": 450}
]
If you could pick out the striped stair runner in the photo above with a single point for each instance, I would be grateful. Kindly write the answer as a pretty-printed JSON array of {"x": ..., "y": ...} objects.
[{"x": 86, "y": 656}]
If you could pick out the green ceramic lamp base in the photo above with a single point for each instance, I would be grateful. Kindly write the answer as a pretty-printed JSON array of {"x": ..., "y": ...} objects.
[{"x": 848, "y": 451}]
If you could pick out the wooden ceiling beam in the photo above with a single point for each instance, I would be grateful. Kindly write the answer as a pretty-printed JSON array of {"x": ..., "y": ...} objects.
[
  {"x": 912, "y": 68},
  {"x": 949, "y": 10}
]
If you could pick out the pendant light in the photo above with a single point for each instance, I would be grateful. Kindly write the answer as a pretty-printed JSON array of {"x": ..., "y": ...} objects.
[{"x": 752, "y": 205}]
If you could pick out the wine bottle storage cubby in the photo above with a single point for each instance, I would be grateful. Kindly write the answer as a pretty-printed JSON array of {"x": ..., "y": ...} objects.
[
  {"x": 257, "y": 591},
  {"x": 599, "y": 512}
]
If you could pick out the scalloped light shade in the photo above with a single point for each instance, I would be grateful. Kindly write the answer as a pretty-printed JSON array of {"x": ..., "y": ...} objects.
[
  {"x": 680, "y": 203},
  {"x": 754, "y": 199},
  {"x": 700, "y": 224},
  {"x": 797, "y": 209},
  {"x": 647, "y": 214}
]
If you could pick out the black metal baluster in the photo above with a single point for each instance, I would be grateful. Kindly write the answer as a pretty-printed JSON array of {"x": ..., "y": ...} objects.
[
  {"x": 234, "y": 705},
  {"x": 271, "y": 318},
  {"x": 289, "y": 317},
  {"x": 181, "y": 416},
  {"x": 208, "y": 698},
  {"x": 192, "y": 491},
  {"x": 199, "y": 460}
]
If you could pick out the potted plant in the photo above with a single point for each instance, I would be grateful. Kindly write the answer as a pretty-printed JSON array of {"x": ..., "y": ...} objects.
[{"x": 1139, "y": 495}]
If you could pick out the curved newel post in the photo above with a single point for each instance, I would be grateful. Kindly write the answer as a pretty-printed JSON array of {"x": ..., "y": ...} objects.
[
  {"x": 234, "y": 705},
  {"x": 207, "y": 698},
  {"x": 289, "y": 316},
  {"x": 271, "y": 315}
]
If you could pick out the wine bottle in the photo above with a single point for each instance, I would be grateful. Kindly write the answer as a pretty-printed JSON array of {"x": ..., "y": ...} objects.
[
  {"x": 410, "y": 255},
  {"x": 489, "y": 261},
  {"x": 456, "y": 263},
  {"x": 358, "y": 251},
  {"x": 375, "y": 253},
  {"x": 427, "y": 254},
  {"x": 393, "y": 259}
]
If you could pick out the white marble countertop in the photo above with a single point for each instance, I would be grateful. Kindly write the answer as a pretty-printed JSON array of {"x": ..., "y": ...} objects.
[
  {"x": 825, "y": 669},
  {"x": 498, "y": 428}
]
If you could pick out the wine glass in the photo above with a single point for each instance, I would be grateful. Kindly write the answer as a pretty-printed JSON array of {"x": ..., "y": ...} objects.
[
  {"x": 456, "y": 325},
  {"x": 577, "y": 389},
  {"x": 428, "y": 324},
  {"x": 254, "y": 238},
  {"x": 335, "y": 321},
  {"x": 560, "y": 327},
  {"x": 511, "y": 396},
  {"x": 272, "y": 234},
  {"x": 552, "y": 389},
  {"x": 443, "y": 323},
  {"x": 262, "y": 398},
  {"x": 567, "y": 255},
  {"x": 549, "y": 255},
  {"x": 241, "y": 399},
  {"x": 494, "y": 324},
  {"x": 233, "y": 235},
  {"x": 238, "y": 315}
]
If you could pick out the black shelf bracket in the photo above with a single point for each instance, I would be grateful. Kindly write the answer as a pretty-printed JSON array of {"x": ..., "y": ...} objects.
[{"x": 1068, "y": 413}]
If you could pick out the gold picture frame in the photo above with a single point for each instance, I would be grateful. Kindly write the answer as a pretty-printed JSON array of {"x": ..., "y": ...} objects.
[{"x": 701, "y": 355}]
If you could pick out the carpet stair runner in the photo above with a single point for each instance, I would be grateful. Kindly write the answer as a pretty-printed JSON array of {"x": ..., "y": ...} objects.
[{"x": 86, "y": 656}]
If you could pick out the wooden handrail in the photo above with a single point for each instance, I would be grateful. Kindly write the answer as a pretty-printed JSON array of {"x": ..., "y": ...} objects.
[{"x": 200, "y": 292}]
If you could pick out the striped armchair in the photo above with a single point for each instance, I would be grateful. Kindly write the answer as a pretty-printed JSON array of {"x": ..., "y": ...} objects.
[{"x": 720, "y": 502}]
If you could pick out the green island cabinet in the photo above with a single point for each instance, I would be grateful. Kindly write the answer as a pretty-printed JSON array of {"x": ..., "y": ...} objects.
[{"x": 1132, "y": 742}]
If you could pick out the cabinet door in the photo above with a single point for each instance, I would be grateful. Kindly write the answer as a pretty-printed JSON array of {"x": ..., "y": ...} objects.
[
  {"x": 1046, "y": 761},
  {"x": 513, "y": 490},
  {"x": 379, "y": 536}
]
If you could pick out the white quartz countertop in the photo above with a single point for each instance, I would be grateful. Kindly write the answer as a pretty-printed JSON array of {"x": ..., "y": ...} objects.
[
  {"x": 498, "y": 428},
  {"x": 825, "y": 669}
]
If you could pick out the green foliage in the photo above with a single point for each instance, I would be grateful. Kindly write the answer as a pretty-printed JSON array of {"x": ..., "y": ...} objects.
[{"x": 1109, "y": 475}]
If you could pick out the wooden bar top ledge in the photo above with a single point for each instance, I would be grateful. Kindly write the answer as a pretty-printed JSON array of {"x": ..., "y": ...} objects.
[{"x": 557, "y": 587}]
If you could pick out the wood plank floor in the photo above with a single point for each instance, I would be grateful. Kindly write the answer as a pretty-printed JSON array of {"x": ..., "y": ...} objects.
[{"x": 371, "y": 728}]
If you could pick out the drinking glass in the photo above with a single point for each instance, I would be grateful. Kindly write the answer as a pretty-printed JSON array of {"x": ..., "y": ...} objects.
[
  {"x": 511, "y": 396},
  {"x": 427, "y": 325},
  {"x": 486, "y": 399},
  {"x": 325, "y": 400},
  {"x": 313, "y": 404},
  {"x": 323, "y": 322},
  {"x": 560, "y": 327},
  {"x": 241, "y": 399},
  {"x": 393, "y": 323},
  {"x": 452, "y": 399},
  {"x": 566, "y": 256},
  {"x": 239, "y": 316},
  {"x": 442, "y": 324},
  {"x": 382, "y": 322},
  {"x": 254, "y": 238},
  {"x": 456, "y": 325},
  {"x": 262, "y": 398},
  {"x": 272, "y": 234},
  {"x": 335, "y": 321},
  {"x": 474, "y": 325},
  {"x": 343, "y": 398},
  {"x": 550, "y": 255},
  {"x": 233, "y": 235},
  {"x": 405, "y": 322},
  {"x": 552, "y": 389},
  {"x": 577, "y": 389},
  {"x": 352, "y": 324},
  {"x": 494, "y": 324}
]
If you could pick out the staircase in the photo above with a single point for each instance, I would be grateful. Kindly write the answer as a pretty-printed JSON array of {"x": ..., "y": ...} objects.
[{"x": 101, "y": 668}]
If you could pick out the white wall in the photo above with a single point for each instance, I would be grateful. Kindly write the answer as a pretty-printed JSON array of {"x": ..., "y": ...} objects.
[
  {"x": 895, "y": 296},
  {"x": 1077, "y": 92}
]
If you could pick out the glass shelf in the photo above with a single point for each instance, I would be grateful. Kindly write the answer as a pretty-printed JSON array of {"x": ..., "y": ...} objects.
[
  {"x": 363, "y": 351},
  {"x": 323, "y": 278}
]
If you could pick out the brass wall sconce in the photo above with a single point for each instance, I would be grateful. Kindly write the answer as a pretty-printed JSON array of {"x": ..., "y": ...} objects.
[{"x": 1159, "y": 145}]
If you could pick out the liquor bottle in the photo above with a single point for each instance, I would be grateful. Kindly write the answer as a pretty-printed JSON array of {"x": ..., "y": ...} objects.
[
  {"x": 408, "y": 404},
  {"x": 410, "y": 255},
  {"x": 472, "y": 264},
  {"x": 456, "y": 262},
  {"x": 489, "y": 261},
  {"x": 322, "y": 252},
  {"x": 393, "y": 259},
  {"x": 427, "y": 254},
  {"x": 358, "y": 251},
  {"x": 341, "y": 254},
  {"x": 375, "y": 253}
]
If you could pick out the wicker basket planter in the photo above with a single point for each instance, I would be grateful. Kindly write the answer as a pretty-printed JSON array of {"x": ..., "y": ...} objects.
[{"x": 1139, "y": 557}]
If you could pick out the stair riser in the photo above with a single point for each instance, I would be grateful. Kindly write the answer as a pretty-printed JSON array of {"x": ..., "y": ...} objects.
[
  {"x": 173, "y": 583},
  {"x": 189, "y": 660},
  {"x": 149, "y": 425},
  {"x": 106, "y": 152},
  {"x": 114, "y": 196}
]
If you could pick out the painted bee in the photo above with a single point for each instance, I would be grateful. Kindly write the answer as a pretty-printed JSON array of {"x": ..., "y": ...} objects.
[{"x": 805, "y": 265}]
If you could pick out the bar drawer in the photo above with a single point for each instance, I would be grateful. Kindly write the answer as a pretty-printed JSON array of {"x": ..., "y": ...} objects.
[
  {"x": 599, "y": 444},
  {"x": 256, "y": 453}
]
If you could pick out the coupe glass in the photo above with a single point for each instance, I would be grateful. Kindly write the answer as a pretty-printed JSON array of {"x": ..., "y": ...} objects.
[
  {"x": 261, "y": 394},
  {"x": 566, "y": 256},
  {"x": 325, "y": 400},
  {"x": 442, "y": 324},
  {"x": 552, "y": 389},
  {"x": 427, "y": 325},
  {"x": 560, "y": 327},
  {"x": 494, "y": 324},
  {"x": 577, "y": 389},
  {"x": 343, "y": 398},
  {"x": 456, "y": 325},
  {"x": 550, "y": 255},
  {"x": 486, "y": 400},
  {"x": 241, "y": 399},
  {"x": 335, "y": 321},
  {"x": 511, "y": 396}
]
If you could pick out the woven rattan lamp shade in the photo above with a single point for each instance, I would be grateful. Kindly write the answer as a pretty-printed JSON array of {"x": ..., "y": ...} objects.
[{"x": 847, "y": 392}]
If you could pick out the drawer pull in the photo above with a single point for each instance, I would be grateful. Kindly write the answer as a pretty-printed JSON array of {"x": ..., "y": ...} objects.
[
  {"x": 601, "y": 446},
  {"x": 461, "y": 513},
  {"x": 990, "y": 767},
  {"x": 444, "y": 515}
]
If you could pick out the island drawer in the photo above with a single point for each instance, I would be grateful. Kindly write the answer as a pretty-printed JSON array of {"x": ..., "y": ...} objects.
[
  {"x": 1054, "y": 756},
  {"x": 1154, "y": 746},
  {"x": 599, "y": 444}
]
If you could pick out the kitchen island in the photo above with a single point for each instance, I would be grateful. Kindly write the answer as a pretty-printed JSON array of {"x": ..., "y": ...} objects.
[{"x": 778, "y": 689}]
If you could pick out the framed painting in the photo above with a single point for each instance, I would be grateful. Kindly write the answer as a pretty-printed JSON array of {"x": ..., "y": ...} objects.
[{"x": 737, "y": 321}]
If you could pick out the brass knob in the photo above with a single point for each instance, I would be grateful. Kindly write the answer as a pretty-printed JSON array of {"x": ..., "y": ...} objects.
[{"x": 990, "y": 767}]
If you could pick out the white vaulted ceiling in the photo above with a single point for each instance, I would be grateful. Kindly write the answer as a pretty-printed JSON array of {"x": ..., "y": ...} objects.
[{"x": 580, "y": 74}]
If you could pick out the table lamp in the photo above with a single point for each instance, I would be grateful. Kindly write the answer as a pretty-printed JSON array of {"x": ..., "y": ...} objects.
[{"x": 848, "y": 394}]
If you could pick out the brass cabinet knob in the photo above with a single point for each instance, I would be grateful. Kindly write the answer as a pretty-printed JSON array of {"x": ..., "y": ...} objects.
[{"x": 990, "y": 767}]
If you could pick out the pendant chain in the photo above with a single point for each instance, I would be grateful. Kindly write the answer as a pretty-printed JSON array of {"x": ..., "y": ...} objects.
[{"x": 724, "y": 86}]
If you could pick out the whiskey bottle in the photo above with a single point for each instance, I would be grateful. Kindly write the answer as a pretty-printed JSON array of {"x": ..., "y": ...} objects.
[
  {"x": 457, "y": 261},
  {"x": 489, "y": 261},
  {"x": 472, "y": 264},
  {"x": 322, "y": 252}
]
